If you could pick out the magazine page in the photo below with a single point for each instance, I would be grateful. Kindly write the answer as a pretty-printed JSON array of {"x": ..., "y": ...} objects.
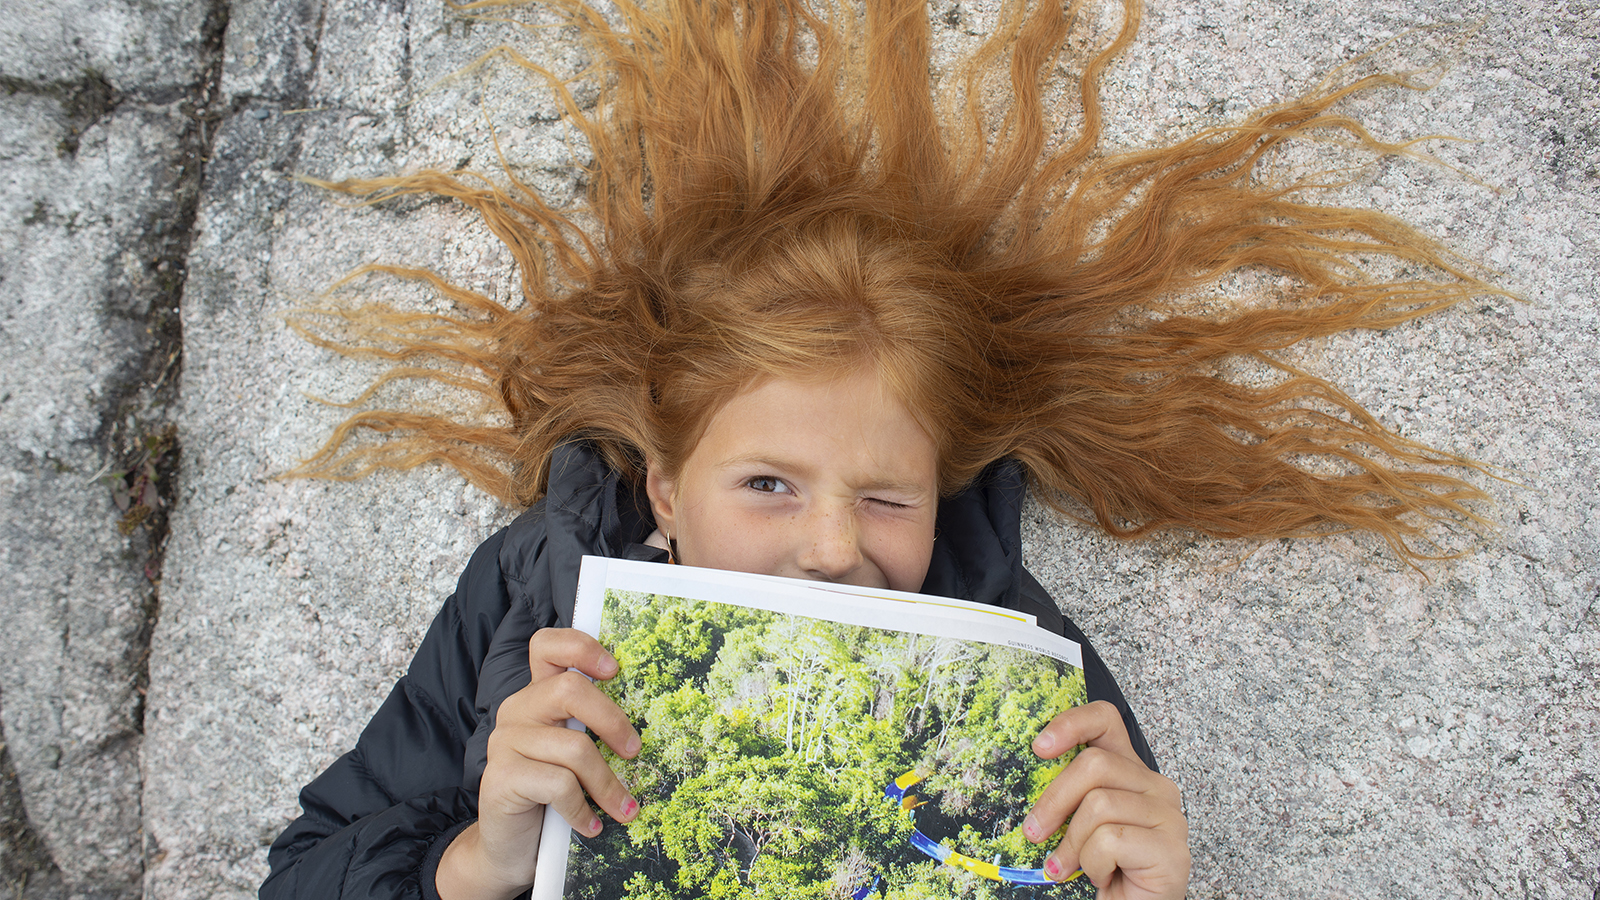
[
  {"x": 924, "y": 603},
  {"x": 803, "y": 739}
]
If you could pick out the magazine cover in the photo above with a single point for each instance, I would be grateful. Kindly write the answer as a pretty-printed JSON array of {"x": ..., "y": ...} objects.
[{"x": 808, "y": 740}]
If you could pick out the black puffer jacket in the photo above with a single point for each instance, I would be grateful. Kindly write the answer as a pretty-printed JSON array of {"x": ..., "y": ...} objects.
[{"x": 377, "y": 821}]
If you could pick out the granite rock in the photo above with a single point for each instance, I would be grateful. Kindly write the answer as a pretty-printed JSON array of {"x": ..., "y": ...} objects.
[
  {"x": 1341, "y": 725},
  {"x": 99, "y": 155}
]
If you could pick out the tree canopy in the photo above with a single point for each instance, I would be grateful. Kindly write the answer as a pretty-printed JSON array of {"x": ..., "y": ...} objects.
[{"x": 768, "y": 740}]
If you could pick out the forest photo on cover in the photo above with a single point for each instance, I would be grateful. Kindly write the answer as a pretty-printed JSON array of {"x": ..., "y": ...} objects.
[{"x": 769, "y": 740}]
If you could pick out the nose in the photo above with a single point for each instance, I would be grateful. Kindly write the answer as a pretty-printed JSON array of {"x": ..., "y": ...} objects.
[{"x": 831, "y": 548}]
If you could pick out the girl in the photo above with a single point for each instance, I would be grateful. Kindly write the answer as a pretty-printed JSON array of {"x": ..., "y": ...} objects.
[{"x": 813, "y": 326}]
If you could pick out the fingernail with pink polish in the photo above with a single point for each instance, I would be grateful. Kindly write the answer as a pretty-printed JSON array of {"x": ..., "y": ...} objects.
[
  {"x": 1052, "y": 869},
  {"x": 629, "y": 807},
  {"x": 594, "y": 826},
  {"x": 1030, "y": 827}
]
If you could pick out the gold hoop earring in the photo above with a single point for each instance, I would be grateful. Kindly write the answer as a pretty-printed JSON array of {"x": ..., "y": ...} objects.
[{"x": 672, "y": 557}]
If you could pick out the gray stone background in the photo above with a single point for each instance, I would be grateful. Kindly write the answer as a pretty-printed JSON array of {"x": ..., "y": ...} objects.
[{"x": 1340, "y": 726}]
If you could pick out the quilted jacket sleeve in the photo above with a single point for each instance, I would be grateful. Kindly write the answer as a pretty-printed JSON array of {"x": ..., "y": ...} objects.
[
  {"x": 1099, "y": 683},
  {"x": 376, "y": 822}
]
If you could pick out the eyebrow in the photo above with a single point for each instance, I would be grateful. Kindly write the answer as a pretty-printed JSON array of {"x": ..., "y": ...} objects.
[{"x": 875, "y": 484}]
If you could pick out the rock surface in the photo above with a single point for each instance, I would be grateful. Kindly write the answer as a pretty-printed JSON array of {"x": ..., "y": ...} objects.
[
  {"x": 1340, "y": 725},
  {"x": 99, "y": 157}
]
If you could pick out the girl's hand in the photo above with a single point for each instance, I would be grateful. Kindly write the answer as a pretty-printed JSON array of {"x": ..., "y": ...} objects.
[
  {"x": 535, "y": 761},
  {"x": 1127, "y": 833}
]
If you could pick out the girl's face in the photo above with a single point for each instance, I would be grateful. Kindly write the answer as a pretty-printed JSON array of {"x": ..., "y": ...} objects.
[{"x": 833, "y": 481}]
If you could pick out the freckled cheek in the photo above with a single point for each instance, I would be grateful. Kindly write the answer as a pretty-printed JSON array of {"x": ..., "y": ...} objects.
[{"x": 741, "y": 543}]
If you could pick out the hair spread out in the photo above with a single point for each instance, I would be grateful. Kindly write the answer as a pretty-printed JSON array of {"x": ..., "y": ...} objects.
[{"x": 776, "y": 190}]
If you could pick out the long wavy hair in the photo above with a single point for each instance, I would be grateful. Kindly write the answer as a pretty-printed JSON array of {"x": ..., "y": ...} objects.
[{"x": 777, "y": 191}]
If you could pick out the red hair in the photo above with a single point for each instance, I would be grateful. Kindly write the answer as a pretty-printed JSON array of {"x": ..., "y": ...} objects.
[{"x": 777, "y": 195}]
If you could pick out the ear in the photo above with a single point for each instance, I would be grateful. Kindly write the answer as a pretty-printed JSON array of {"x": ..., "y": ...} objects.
[{"x": 659, "y": 488}]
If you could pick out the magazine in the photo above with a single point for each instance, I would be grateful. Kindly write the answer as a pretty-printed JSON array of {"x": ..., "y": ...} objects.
[{"x": 812, "y": 740}]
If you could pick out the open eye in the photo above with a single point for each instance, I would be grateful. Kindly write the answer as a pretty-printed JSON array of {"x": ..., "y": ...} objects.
[{"x": 767, "y": 484}]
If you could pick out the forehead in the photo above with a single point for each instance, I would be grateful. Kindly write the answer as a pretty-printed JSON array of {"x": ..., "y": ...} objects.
[{"x": 851, "y": 422}]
